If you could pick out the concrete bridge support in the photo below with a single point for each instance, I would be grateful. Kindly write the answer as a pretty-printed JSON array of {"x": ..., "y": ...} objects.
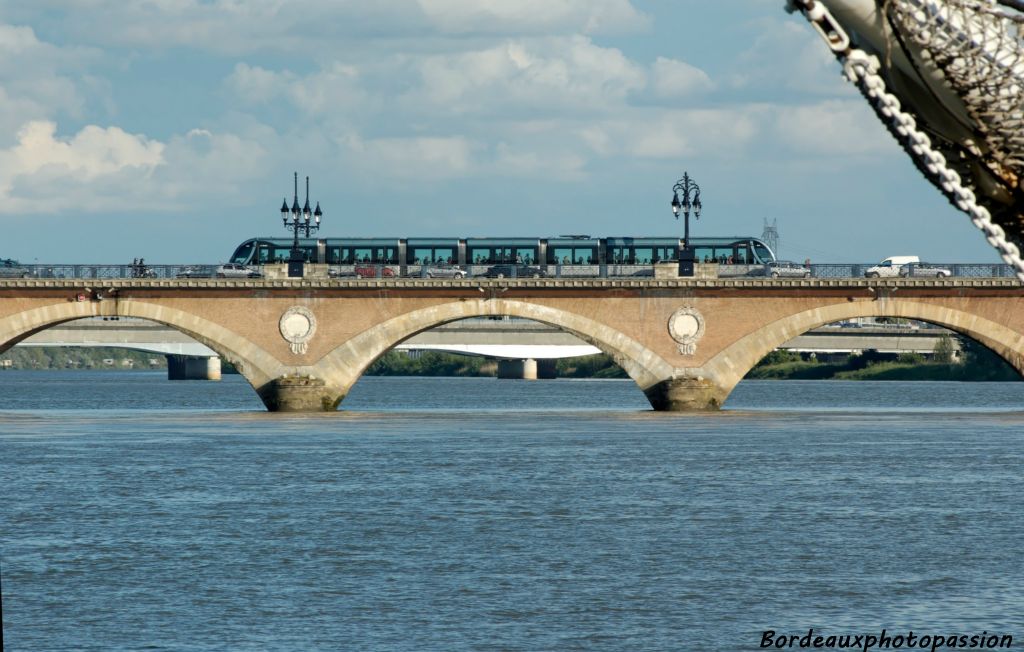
[{"x": 186, "y": 367}]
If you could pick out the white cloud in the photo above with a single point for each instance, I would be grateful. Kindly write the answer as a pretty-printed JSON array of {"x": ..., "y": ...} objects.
[
  {"x": 532, "y": 16},
  {"x": 302, "y": 26},
  {"x": 671, "y": 78},
  {"x": 36, "y": 80},
  {"x": 91, "y": 153},
  {"x": 787, "y": 56},
  {"x": 531, "y": 75},
  {"x": 109, "y": 169},
  {"x": 333, "y": 90},
  {"x": 832, "y": 128},
  {"x": 673, "y": 134},
  {"x": 427, "y": 158},
  {"x": 255, "y": 84}
]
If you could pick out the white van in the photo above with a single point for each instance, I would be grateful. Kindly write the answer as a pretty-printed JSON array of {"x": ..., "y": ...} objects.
[{"x": 892, "y": 266}]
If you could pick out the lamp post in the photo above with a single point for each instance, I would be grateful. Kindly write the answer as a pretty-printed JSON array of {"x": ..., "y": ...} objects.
[
  {"x": 300, "y": 220},
  {"x": 686, "y": 185}
]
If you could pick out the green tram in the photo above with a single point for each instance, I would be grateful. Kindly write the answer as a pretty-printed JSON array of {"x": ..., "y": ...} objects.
[{"x": 582, "y": 255}]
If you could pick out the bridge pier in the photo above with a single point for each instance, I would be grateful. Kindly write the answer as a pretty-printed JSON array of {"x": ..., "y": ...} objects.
[
  {"x": 186, "y": 367},
  {"x": 299, "y": 394},
  {"x": 691, "y": 394}
]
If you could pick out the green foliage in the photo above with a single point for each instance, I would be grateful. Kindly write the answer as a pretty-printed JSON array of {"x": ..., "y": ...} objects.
[
  {"x": 980, "y": 363},
  {"x": 70, "y": 357},
  {"x": 909, "y": 358},
  {"x": 944, "y": 350},
  {"x": 591, "y": 366},
  {"x": 779, "y": 356},
  {"x": 430, "y": 363},
  {"x": 798, "y": 370}
]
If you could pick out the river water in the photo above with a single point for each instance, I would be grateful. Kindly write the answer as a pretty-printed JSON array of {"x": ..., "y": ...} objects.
[{"x": 456, "y": 514}]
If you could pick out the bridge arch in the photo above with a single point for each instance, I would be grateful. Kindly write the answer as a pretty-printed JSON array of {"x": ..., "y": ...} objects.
[
  {"x": 734, "y": 362},
  {"x": 258, "y": 367},
  {"x": 343, "y": 366}
]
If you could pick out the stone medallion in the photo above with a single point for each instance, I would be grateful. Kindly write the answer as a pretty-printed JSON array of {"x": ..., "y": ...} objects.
[
  {"x": 297, "y": 326},
  {"x": 686, "y": 326}
]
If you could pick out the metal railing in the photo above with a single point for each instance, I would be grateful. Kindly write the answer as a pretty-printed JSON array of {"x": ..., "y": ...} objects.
[{"x": 369, "y": 270}]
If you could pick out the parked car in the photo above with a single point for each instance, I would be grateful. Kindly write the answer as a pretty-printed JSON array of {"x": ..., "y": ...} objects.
[
  {"x": 783, "y": 269},
  {"x": 367, "y": 270},
  {"x": 906, "y": 266},
  {"x": 518, "y": 271},
  {"x": 361, "y": 270},
  {"x": 236, "y": 270},
  {"x": 193, "y": 272},
  {"x": 12, "y": 268},
  {"x": 927, "y": 269},
  {"x": 444, "y": 271}
]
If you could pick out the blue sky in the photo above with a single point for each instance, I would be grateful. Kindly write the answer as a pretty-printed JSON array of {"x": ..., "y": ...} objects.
[{"x": 170, "y": 129}]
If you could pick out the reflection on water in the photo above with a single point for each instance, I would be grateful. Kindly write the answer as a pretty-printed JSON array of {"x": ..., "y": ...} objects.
[
  {"x": 476, "y": 514},
  {"x": 119, "y": 391}
]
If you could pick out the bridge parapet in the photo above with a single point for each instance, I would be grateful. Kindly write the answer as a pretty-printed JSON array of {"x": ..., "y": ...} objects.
[{"x": 474, "y": 283}]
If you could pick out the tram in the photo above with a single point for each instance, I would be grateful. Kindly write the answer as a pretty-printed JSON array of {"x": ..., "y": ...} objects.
[{"x": 575, "y": 255}]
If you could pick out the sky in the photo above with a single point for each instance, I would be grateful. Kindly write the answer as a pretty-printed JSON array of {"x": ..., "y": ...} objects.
[{"x": 170, "y": 129}]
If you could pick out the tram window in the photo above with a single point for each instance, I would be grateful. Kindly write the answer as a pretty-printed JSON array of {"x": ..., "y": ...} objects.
[
  {"x": 704, "y": 254},
  {"x": 432, "y": 255},
  {"x": 664, "y": 253},
  {"x": 491, "y": 255},
  {"x": 274, "y": 253},
  {"x": 482, "y": 255},
  {"x": 525, "y": 255},
  {"x": 642, "y": 256},
  {"x": 573, "y": 255},
  {"x": 560, "y": 255}
]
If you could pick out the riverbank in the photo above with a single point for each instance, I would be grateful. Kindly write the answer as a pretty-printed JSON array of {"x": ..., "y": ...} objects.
[{"x": 976, "y": 364}]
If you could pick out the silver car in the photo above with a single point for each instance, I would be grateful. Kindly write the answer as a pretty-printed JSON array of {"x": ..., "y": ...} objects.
[
  {"x": 783, "y": 269},
  {"x": 193, "y": 271},
  {"x": 236, "y": 270},
  {"x": 445, "y": 271}
]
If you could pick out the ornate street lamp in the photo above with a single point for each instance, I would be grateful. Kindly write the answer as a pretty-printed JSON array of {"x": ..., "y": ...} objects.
[
  {"x": 686, "y": 186},
  {"x": 300, "y": 220}
]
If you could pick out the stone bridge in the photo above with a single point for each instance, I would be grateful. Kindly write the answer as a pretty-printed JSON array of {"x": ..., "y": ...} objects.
[{"x": 303, "y": 343}]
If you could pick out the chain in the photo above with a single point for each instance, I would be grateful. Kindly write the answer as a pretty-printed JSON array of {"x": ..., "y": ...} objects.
[{"x": 862, "y": 69}]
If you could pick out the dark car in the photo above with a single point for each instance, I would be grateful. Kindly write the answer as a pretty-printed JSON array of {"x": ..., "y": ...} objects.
[
  {"x": 514, "y": 271},
  {"x": 12, "y": 268}
]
